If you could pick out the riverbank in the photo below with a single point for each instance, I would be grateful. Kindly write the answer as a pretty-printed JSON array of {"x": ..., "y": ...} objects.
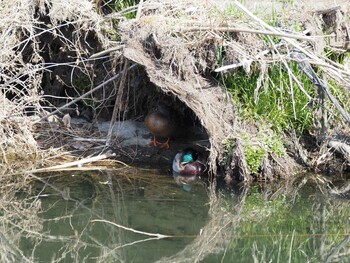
[{"x": 267, "y": 91}]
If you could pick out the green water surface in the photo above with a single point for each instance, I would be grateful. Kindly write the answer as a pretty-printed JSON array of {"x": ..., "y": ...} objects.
[{"x": 94, "y": 217}]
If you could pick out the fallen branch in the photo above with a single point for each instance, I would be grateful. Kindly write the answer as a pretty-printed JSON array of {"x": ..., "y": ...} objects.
[
  {"x": 159, "y": 236},
  {"x": 70, "y": 165},
  {"x": 245, "y": 30}
]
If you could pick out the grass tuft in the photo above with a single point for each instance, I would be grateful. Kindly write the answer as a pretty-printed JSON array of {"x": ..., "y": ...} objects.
[{"x": 272, "y": 99}]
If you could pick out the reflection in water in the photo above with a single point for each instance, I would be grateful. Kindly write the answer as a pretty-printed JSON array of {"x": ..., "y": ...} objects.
[
  {"x": 289, "y": 221},
  {"x": 95, "y": 217},
  {"x": 185, "y": 181},
  {"x": 114, "y": 216}
]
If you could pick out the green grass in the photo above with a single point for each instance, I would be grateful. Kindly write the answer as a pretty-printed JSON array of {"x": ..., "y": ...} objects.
[
  {"x": 276, "y": 106},
  {"x": 276, "y": 102},
  {"x": 258, "y": 148},
  {"x": 120, "y": 6}
]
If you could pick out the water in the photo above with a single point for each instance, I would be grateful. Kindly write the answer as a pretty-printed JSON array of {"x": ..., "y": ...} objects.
[
  {"x": 83, "y": 217},
  {"x": 142, "y": 200}
]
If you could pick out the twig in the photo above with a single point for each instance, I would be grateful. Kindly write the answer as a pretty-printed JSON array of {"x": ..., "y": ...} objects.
[
  {"x": 86, "y": 94},
  {"x": 305, "y": 67},
  {"x": 75, "y": 163},
  {"x": 118, "y": 102},
  {"x": 106, "y": 51},
  {"x": 334, "y": 69},
  {"x": 227, "y": 67},
  {"x": 139, "y": 9},
  {"x": 133, "y": 243},
  {"x": 245, "y": 30},
  {"x": 81, "y": 139},
  {"x": 159, "y": 236},
  {"x": 291, "y": 247},
  {"x": 77, "y": 168}
]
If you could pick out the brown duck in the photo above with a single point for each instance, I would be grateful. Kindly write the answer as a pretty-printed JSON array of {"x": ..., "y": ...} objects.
[{"x": 161, "y": 124}]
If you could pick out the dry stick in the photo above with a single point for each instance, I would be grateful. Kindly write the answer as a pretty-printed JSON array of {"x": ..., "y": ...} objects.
[
  {"x": 131, "y": 244},
  {"x": 106, "y": 51},
  {"x": 244, "y": 30},
  {"x": 69, "y": 166},
  {"x": 227, "y": 67},
  {"x": 87, "y": 93},
  {"x": 307, "y": 53},
  {"x": 69, "y": 169},
  {"x": 117, "y": 104},
  {"x": 293, "y": 43},
  {"x": 139, "y": 9},
  {"x": 75, "y": 163},
  {"x": 305, "y": 66},
  {"x": 159, "y": 236}
]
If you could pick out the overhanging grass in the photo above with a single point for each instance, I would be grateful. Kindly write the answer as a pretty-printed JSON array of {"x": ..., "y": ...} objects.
[{"x": 279, "y": 102}]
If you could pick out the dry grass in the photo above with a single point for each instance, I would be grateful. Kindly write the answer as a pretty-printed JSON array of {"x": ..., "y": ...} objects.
[
  {"x": 29, "y": 31},
  {"x": 25, "y": 41},
  {"x": 178, "y": 43}
]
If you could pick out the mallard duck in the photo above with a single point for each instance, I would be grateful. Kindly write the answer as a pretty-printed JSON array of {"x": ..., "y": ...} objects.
[
  {"x": 189, "y": 163},
  {"x": 161, "y": 124}
]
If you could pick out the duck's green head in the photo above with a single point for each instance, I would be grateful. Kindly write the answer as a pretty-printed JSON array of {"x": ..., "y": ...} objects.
[{"x": 187, "y": 157}]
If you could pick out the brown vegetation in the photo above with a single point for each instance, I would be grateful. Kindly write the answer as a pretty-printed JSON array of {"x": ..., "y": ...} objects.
[{"x": 57, "y": 55}]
